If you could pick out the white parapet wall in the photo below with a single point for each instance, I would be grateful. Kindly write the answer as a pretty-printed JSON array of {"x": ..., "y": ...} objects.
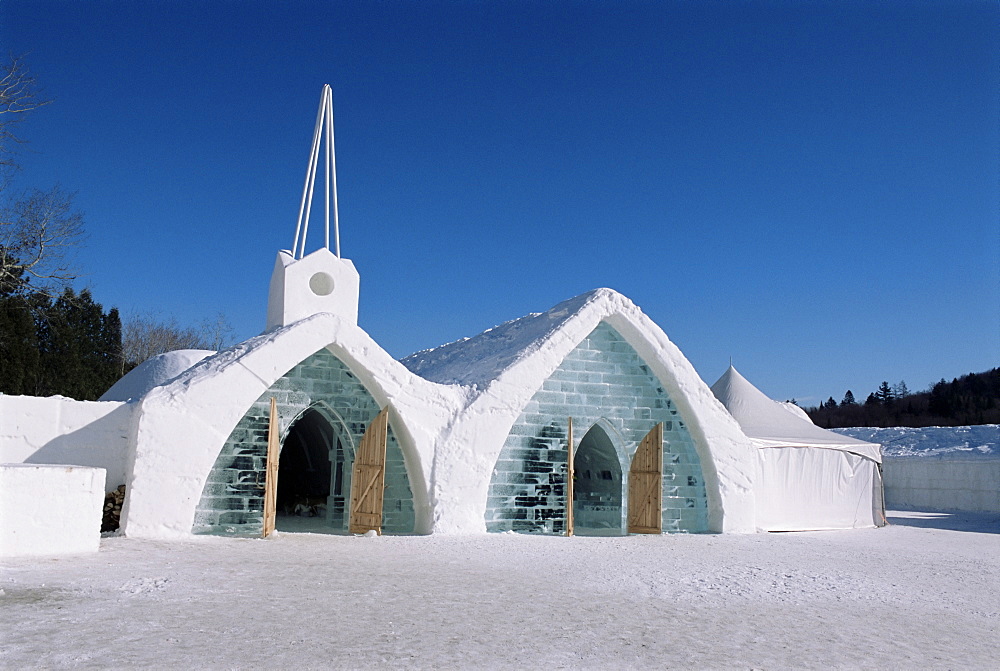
[
  {"x": 946, "y": 484},
  {"x": 59, "y": 430},
  {"x": 50, "y": 509}
]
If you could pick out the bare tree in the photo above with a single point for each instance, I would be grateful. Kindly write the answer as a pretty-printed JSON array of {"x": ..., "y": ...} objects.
[
  {"x": 217, "y": 332},
  {"x": 145, "y": 336},
  {"x": 38, "y": 235},
  {"x": 38, "y": 229},
  {"x": 19, "y": 95}
]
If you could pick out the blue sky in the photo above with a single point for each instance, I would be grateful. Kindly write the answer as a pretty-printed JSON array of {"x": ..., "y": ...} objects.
[{"x": 810, "y": 188}]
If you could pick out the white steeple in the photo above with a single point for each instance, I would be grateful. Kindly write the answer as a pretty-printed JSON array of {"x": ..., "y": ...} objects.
[{"x": 321, "y": 281}]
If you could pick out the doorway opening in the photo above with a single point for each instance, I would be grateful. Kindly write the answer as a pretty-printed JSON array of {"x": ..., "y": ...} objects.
[
  {"x": 314, "y": 473},
  {"x": 597, "y": 487}
]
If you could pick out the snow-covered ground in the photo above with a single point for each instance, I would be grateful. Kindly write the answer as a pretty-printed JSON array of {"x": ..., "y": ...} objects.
[
  {"x": 921, "y": 593},
  {"x": 943, "y": 442}
]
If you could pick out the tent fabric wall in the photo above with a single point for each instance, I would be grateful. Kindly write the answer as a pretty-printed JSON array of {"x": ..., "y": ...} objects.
[{"x": 805, "y": 489}]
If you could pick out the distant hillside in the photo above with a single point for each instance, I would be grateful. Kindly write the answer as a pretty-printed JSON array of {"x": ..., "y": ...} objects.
[{"x": 968, "y": 400}]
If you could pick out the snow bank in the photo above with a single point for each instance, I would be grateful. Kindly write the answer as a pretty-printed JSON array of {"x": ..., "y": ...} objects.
[
  {"x": 152, "y": 373},
  {"x": 60, "y": 430},
  {"x": 942, "y": 442},
  {"x": 47, "y": 510}
]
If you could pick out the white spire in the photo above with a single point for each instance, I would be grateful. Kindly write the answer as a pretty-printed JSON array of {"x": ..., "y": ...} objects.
[
  {"x": 324, "y": 126},
  {"x": 304, "y": 284}
]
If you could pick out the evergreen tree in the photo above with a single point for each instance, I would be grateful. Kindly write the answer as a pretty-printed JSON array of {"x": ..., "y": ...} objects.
[
  {"x": 18, "y": 346},
  {"x": 112, "y": 349},
  {"x": 849, "y": 398},
  {"x": 884, "y": 394},
  {"x": 830, "y": 403},
  {"x": 80, "y": 347}
]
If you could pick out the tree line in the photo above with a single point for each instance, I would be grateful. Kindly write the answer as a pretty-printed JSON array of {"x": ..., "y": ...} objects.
[
  {"x": 966, "y": 400},
  {"x": 67, "y": 345},
  {"x": 54, "y": 339}
]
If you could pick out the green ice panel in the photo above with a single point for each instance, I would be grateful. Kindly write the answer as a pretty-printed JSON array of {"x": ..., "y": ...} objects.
[{"x": 602, "y": 378}]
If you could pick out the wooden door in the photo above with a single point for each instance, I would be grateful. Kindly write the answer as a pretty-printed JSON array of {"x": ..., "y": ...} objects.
[
  {"x": 368, "y": 477},
  {"x": 271, "y": 470},
  {"x": 645, "y": 485},
  {"x": 569, "y": 478}
]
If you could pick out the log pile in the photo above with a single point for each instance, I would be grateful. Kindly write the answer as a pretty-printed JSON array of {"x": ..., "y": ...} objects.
[{"x": 113, "y": 509}]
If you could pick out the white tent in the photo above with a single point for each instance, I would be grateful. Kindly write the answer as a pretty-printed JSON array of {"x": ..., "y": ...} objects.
[{"x": 810, "y": 478}]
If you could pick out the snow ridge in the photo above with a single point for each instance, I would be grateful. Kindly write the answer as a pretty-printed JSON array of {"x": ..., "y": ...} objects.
[
  {"x": 153, "y": 372},
  {"x": 479, "y": 360},
  {"x": 941, "y": 442}
]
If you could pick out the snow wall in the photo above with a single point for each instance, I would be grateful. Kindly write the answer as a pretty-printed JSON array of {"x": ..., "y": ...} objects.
[
  {"x": 46, "y": 510},
  {"x": 59, "y": 430},
  {"x": 969, "y": 484}
]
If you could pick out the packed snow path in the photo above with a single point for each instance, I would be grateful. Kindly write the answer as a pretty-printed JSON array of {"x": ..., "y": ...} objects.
[{"x": 921, "y": 593}]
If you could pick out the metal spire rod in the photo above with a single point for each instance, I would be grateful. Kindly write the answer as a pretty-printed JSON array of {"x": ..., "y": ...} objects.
[
  {"x": 324, "y": 126},
  {"x": 310, "y": 174},
  {"x": 333, "y": 172}
]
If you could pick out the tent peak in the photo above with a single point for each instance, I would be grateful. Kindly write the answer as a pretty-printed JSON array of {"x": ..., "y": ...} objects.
[{"x": 770, "y": 423}]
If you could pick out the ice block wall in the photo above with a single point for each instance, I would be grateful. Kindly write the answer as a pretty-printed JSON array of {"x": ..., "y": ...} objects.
[{"x": 603, "y": 378}]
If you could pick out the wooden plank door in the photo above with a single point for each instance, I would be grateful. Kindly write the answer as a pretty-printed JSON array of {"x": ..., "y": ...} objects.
[
  {"x": 368, "y": 477},
  {"x": 645, "y": 485},
  {"x": 271, "y": 470},
  {"x": 569, "y": 478}
]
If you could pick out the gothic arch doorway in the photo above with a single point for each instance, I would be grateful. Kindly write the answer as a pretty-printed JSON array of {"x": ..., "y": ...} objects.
[
  {"x": 314, "y": 476},
  {"x": 597, "y": 486}
]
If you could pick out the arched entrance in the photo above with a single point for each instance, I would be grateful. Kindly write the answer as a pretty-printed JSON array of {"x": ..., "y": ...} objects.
[
  {"x": 597, "y": 486},
  {"x": 314, "y": 472},
  {"x": 232, "y": 501}
]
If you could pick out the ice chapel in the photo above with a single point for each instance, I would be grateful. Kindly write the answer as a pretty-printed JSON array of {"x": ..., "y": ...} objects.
[
  {"x": 476, "y": 436},
  {"x": 585, "y": 419}
]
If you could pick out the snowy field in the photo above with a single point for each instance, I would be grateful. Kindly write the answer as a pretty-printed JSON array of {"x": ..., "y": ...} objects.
[{"x": 921, "y": 593}]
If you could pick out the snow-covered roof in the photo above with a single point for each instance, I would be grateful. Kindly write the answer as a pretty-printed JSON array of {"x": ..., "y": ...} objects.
[
  {"x": 153, "y": 372},
  {"x": 769, "y": 423},
  {"x": 479, "y": 360}
]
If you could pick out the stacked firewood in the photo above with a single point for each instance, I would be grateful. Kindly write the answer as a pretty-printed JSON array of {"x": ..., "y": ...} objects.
[{"x": 113, "y": 509}]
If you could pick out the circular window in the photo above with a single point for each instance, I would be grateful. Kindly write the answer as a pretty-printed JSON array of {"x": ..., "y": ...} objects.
[{"x": 321, "y": 284}]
